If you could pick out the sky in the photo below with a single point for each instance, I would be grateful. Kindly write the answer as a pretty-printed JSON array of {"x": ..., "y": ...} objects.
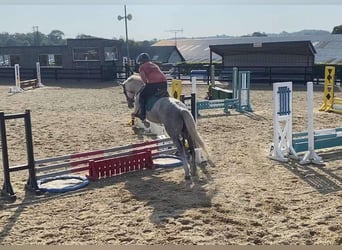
[{"x": 162, "y": 20}]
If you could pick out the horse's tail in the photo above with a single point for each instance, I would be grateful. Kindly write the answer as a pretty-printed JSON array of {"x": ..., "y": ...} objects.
[{"x": 190, "y": 125}]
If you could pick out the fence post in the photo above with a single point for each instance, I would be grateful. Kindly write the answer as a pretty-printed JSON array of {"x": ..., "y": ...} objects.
[
  {"x": 32, "y": 180},
  {"x": 7, "y": 189},
  {"x": 31, "y": 184}
]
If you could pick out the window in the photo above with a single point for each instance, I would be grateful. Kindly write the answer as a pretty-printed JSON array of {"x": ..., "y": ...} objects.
[
  {"x": 50, "y": 60},
  {"x": 9, "y": 60},
  {"x": 86, "y": 54},
  {"x": 5, "y": 60},
  {"x": 110, "y": 54}
]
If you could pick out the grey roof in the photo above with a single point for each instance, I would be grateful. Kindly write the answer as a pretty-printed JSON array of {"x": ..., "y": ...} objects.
[
  {"x": 290, "y": 47},
  {"x": 163, "y": 53},
  {"x": 328, "y": 47}
]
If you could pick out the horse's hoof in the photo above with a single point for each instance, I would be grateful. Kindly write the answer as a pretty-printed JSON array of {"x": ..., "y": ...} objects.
[{"x": 203, "y": 163}]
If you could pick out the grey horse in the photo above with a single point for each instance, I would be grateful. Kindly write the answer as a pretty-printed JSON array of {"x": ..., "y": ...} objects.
[{"x": 176, "y": 118}]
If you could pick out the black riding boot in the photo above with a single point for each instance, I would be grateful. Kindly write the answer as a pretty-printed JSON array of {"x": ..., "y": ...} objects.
[{"x": 142, "y": 113}]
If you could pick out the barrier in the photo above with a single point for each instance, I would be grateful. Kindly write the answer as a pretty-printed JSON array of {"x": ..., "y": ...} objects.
[
  {"x": 323, "y": 138},
  {"x": 215, "y": 92},
  {"x": 240, "y": 103},
  {"x": 120, "y": 165},
  {"x": 79, "y": 162},
  {"x": 200, "y": 73},
  {"x": 219, "y": 93},
  {"x": 20, "y": 86},
  {"x": 74, "y": 163},
  {"x": 287, "y": 144},
  {"x": 330, "y": 102}
]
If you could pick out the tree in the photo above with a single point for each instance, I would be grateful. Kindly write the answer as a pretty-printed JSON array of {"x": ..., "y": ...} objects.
[
  {"x": 55, "y": 37},
  {"x": 258, "y": 34},
  {"x": 4, "y": 36},
  {"x": 10, "y": 42},
  {"x": 337, "y": 30},
  {"x": 84, "y": 36}
]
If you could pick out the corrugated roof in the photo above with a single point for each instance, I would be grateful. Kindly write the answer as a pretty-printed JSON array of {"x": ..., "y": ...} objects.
[
  {"x": 293, "y": 47},
  {"x": 328, "y": 47}
]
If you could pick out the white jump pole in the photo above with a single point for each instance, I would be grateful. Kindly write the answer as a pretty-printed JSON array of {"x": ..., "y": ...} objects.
[
  {"x": 17, "y": 75},
  {"x": 17, "y": 87},
  {"x": 39, "y": 77},
  {"x": 310, "y": 156}
]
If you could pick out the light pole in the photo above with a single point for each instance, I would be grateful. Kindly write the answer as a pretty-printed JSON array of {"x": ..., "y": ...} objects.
[
  {"x": 126, "y": 17},
  {"x": 36, "y": 35}
]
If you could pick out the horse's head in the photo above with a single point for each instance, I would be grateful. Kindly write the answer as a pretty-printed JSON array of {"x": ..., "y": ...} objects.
[{"x": 131, "y": 87}]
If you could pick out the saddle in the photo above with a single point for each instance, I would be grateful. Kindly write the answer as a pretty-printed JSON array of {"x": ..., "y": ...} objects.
[
  {"x": 161, "y": 93},
  {"x": 149, "y": 102}
]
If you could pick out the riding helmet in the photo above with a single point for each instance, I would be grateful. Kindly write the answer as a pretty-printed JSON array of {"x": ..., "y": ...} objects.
[{"x": 143, "y": 57}]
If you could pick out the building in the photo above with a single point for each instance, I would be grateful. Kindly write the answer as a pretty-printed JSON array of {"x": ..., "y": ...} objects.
[
  {"x": 79, "y": 59},
  {"x": 328, "y": 47},
  {"x": 291, "y": 54},
  {"x": 298, "y": 58}
]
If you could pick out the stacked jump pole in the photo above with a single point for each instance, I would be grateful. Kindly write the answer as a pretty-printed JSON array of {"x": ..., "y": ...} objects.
[
  {"x": 80, "y": 162},
  {"x": 94, "y": 165},
  {"x": 20, "y": 85},
  {"x": 240, "y": 101},
  {"x": 241, "y": 96},
  {"x": 287, "y": 144}
]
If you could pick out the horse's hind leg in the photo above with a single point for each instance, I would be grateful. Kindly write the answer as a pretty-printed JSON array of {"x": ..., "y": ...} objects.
[
  {"x": 192, "y": 156},
  {"x": 181, "y": 150}
]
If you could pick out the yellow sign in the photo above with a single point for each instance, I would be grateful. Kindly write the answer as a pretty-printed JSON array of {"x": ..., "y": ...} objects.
[
  {"x": 176, "y": 88},
  {"x": 329, "y": 76},
  {"x": 329, "y": 81}
]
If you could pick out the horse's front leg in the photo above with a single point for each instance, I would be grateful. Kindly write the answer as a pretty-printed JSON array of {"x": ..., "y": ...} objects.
[{"x": 136, "y": 107}]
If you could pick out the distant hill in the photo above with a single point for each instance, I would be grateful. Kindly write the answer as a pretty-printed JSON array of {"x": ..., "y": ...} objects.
[
  {"x": 281, "y": 34},
  {"x": 302, "y": 33}
]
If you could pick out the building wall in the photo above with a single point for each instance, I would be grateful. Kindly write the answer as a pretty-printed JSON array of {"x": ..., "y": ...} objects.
[
  {"x": 79, "y": 59},
  {"x": 268, "y": 60},
  {"x": 27, "y": 56},
  {"x": 99, "y": 45}
]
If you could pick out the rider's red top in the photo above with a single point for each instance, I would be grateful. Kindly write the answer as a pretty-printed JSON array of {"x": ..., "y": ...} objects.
[{"x": 151, "y": 73}]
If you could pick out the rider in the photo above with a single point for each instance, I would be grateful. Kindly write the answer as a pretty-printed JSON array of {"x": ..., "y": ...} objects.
[{"x": 154, "y": 79}]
